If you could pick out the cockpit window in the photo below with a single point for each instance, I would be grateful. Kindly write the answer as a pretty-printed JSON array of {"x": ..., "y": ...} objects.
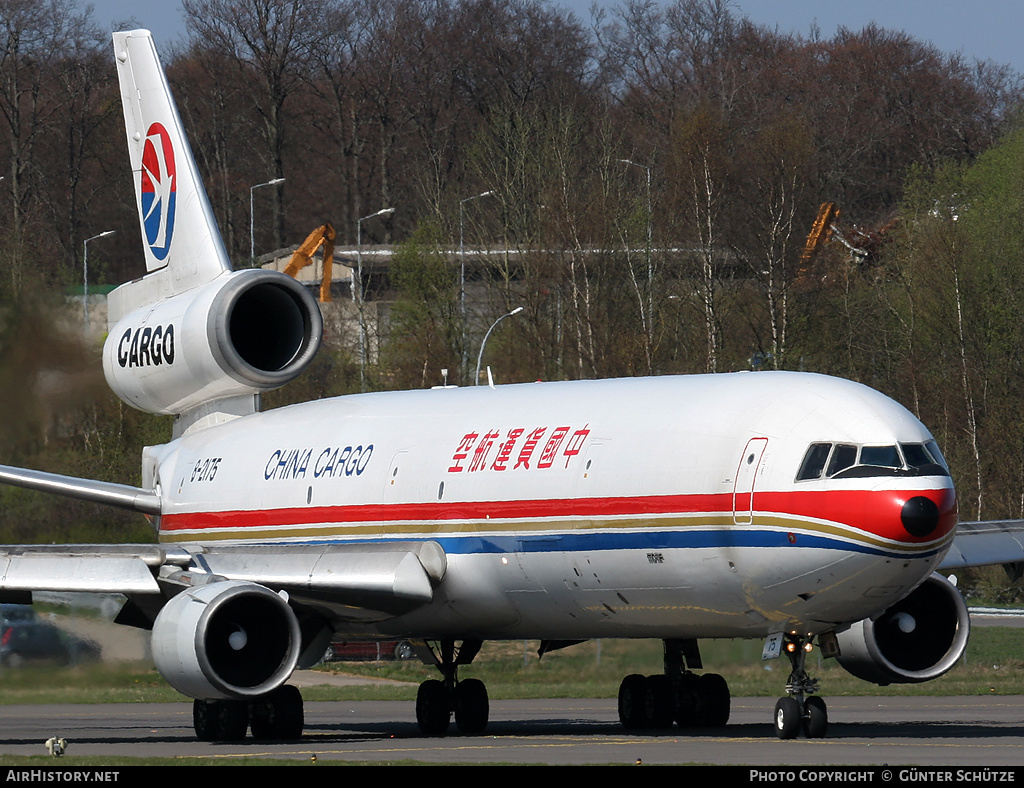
[
  {"x": 814, "y": 461},
  {"x": 883, "y": 456},
  {"x": 844, "y": 461},
  {"x": 843, "y": 457},
  {"x": 926, "y": 459},
  {"x": 916, "y": 455}
]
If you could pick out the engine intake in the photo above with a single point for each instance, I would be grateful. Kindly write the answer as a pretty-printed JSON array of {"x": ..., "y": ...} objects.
[
  {"x": 261, "y": 329},
  {"x": 918, "y": 639},
  {"x": 226, "y": 640},
  {"x": 245, "y": 332}
]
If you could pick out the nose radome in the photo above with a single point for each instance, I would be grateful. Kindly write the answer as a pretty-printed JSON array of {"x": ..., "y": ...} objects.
[{"x": 920, "y": 516}]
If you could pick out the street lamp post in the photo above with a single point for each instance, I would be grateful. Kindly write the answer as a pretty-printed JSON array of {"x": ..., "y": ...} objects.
[
  {"x": 252, "y": 221},
  {"x": 85, "y": 274},
  {"x": 480, "y": 356},
  {"x": 357, "y": 291},
  {"x": 462, "y": 274}
]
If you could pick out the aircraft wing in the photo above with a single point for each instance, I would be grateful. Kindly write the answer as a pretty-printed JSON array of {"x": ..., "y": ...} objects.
[
  {"x": 387, "y": 577},
  {"x": 391, "y": 577},
  {"x": 986, "y": 543}
]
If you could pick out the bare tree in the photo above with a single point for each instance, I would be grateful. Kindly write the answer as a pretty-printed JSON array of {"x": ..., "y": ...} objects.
[{"x": 270, "y": 41}]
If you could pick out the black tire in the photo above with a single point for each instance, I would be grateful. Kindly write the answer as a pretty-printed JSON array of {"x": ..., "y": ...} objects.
[
  {"x": 788, "y": 718},
  {"x": 631, "y": 702},
  {"x": 471, "y": 706},
  {"x": 715, "y": 701},
  {"x": 278, "y": 715},
  {"x": 203, "y": 720},
  {"x": 433, "y": 708},
  {"x": 230, "y": 719},
  {"x": 659, "y": 705},
  {"x": 688, "y": 700},
  {"x": 815, "y": 717},
  {"x": 404, "y": 650}
]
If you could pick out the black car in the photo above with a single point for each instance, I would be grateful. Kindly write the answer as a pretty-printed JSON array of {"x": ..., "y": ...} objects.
[
  {"x": 33, "y": 640},
  {"x": 10, "y": 613}
]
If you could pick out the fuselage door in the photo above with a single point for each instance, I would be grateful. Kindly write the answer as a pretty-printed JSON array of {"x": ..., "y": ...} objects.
[{"x": 746, "y": 481}]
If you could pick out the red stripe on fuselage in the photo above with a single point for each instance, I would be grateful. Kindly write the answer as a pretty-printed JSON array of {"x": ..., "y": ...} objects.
[{"x": 875, "y": 512}]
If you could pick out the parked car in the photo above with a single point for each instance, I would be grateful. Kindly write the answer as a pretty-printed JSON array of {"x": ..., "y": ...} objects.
[
  {"x": 37, "y": 641},
  {"x": 9, "y": 612},
  {"x": 368, "y": 650}
]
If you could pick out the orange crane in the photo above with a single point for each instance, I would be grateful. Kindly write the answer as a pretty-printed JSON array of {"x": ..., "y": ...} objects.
[
  {"x": 828, "y": 213},
  {"x": 303, "y": 256}
]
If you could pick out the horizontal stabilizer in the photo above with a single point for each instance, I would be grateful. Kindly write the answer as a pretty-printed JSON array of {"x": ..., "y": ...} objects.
[{"x": 122, "y": 496}]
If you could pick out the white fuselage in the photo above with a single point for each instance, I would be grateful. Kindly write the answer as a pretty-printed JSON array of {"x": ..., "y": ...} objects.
[{"x": 654, "y": 507}]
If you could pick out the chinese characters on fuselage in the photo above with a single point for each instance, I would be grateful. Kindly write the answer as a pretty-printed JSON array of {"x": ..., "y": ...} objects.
[{"x": 519, "y": 448}]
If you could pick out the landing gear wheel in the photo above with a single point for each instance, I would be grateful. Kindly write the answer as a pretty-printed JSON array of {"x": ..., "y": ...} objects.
[
  {"x": 658, "y": 705},
  {"x": 787, "y": 718},
  {"x": 471, "y": 706},
  {"x": 688, "y": 700},
  {"x": 203, "y": 720},
  {"x": 278, "y": 715},
  {"x": 433, "y": 711},
  {"x": 713, "y": 692},
  {"x": 231, "y": 719},
  {"x": 815, "y": 717},
  {"x": 632, "y": 693}
]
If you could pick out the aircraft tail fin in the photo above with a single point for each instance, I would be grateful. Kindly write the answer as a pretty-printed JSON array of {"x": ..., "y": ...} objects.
[
  {"x": 180, "y": 235},
  {"x": 192, "y": 338}
]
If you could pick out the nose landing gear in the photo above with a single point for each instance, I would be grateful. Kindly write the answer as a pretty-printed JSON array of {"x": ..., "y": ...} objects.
[{"x": 801, "y": 710}]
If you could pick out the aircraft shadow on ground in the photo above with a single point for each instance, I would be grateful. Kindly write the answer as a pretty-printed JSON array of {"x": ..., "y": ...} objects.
[{"x": 561, "y": 727}]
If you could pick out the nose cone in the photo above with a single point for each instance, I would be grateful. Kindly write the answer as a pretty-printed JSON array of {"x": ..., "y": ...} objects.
[{"x": 920, "y": 516}]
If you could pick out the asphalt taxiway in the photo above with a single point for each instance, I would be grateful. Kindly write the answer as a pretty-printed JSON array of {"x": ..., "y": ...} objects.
[{"x": 947, "y": 731}]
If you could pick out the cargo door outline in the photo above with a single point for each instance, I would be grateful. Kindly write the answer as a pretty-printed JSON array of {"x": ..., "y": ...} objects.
[{"x": 746, "y": 481}]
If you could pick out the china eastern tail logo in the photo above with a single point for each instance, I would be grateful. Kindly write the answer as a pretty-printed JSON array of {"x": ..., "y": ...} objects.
[{"x": 158, "y": 190}]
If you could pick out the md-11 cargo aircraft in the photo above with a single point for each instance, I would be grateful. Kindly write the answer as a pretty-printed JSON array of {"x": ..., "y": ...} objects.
[{"x": 795, "y": 508}]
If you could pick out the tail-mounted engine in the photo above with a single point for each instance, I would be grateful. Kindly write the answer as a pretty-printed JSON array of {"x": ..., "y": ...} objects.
[
  {"x": 918, "y": 639},
  {"x": 226, "y": 640},
  {"x": 243, "y": 333}
]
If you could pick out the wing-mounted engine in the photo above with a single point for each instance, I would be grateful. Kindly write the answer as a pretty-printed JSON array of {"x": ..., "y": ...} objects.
[
  {"x": 226, "y": 640},
  {"x": 918, "y": 639},
  {"x": 243, "y": 333}
]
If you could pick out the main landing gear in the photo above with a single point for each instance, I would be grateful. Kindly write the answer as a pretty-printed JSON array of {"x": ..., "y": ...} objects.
[
  {"x": 677, "y": 695},
  {"x": 276, "y": 715},
  {"x": 801, "y": 709},
  {"x": 437, "y": 700}
]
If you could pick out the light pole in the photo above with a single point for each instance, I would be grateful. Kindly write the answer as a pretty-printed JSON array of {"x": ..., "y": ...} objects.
[
  {"x": 650, "y": 267},
  {"x": 85, "y": 274},
  {"x": 480, "y": 356},
  {"x": 252, "y": 222},
  {"x": 357, "y": 287},
  {"x": 462, "y": 275}
]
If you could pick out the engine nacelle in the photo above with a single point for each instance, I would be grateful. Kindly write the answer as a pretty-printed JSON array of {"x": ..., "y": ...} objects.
[
  {"x": 243, "y": 333},
  {"x": 918, "y": 639},
  {"x": 227, "y": 640}
]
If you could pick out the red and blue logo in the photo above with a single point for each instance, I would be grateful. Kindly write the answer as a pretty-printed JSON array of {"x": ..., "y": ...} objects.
[{"x": 159, "y": 190}]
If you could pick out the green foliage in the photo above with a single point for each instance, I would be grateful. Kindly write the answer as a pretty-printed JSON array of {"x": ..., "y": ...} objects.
[
  {"x": 61, "y": 417},
  {"x": 424, "y": 335},
  {"x": 955, "y": 292}
]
